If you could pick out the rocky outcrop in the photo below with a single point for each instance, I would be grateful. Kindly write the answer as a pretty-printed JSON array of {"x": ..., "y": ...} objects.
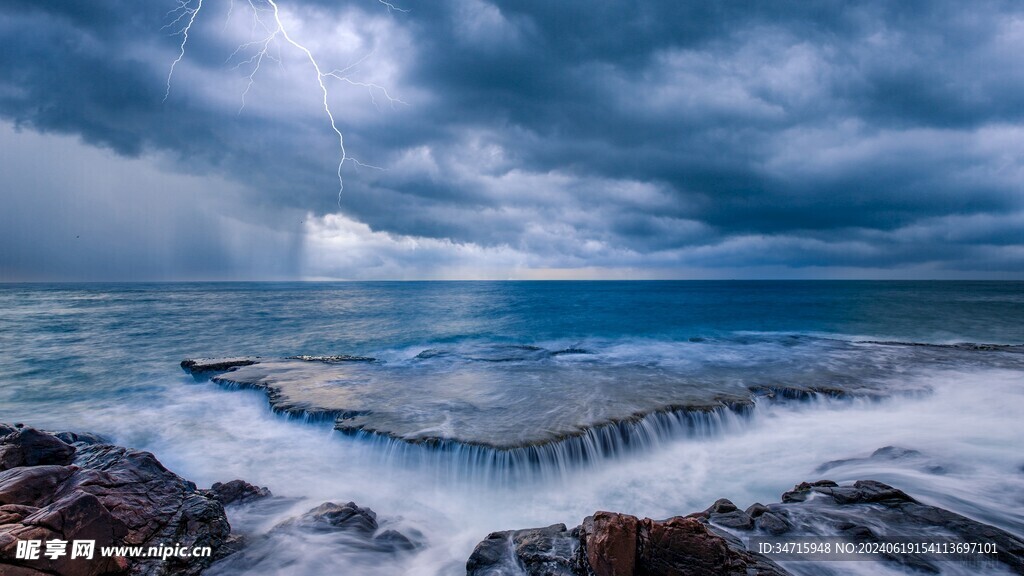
[
  {"x": 334, "y": 359},
  {"x": 612, "y": 544},
  {"x": 550, "y": 551},
  {"x": 53, "y": 490},
  {"x": 906, "y": 456},
  {"x": 717, "y": 540},
  {"x": 30, "y": 447},
  {"x": 358, "y": 542},
  {"x": 206, "y": 365},
  {"x": 236, "y": 492},
  {"x": 353, "y": 520}
]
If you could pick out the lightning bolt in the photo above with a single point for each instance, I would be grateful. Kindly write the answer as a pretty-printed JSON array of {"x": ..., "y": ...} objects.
[{"x": 184, "y": 17}]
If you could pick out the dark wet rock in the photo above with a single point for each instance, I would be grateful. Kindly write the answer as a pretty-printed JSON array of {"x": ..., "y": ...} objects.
[
  {"x": 772, "y": 524},
  {"x": 394, "y": 540},
  {"x": 803, "y": 490},
  {"x": 205, "y": 365},
  {"x": 236, "y": 492},
  {"x": 105, "y": 493},
  {"x": 346, "y": 526},
  {"x": 86, "y": 438},
  {"x": 550, "y": 551},
  {"x": 687, "y": 547},
  {"x": 570, "y": 351},
  {"x": 724, "y": 513},
  {"x": 721, "y": 506},
  {"x": 737, "y": 520},
  {"x": 894, "y": 453},
  {"x": 756, "y": 509},
  {"x": 333, "y": 359},
  {"x": 348, "y": 517},
  {"x": 612, "y": 544},
  {"x": 357, "y": 523},
  {"x": 700, "y": 544},
  {"x": 30, "y": 447},
  {"x": 864, "y": 491},
  {"x": 798, "y": 494},
  {"x": 969, "y": 346},
  {"x": 867, "y": 510},
  {"x": 906, "y": 456}
]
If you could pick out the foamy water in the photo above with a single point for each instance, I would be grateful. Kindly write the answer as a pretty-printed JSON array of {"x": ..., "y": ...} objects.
[
  {"x": 104, "y": 359},
  {"x": 969, "y": 425}
]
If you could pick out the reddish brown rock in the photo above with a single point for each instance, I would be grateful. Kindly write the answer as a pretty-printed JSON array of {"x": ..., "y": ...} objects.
[
  {"x": 610, "y": 541},
  {"x": 78, "y": 516},
  {"x": 621, "y": 545},
  {"x": 685, "y": 547}
]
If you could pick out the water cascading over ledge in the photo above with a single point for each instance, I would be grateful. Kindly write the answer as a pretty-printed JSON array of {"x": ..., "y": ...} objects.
[{"x": 522, "y": 411}]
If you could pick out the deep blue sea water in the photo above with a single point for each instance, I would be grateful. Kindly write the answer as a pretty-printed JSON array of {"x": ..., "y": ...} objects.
[
  {"x": 104, "y": 357},
  {"x": 105, "y": 340}
]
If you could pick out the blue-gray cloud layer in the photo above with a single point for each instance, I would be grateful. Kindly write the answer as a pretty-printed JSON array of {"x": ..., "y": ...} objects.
[{"x": 655, "y": 135}]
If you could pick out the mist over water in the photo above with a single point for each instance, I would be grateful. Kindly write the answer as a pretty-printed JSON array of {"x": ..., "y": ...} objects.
[{"x": 104, "y": 359}]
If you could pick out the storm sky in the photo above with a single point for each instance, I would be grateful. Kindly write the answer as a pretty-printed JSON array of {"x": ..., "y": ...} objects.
[{"x": 534, "y": 139}]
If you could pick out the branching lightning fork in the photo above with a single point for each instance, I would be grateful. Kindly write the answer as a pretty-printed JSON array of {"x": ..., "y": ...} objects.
[{"x": 267, "y": 17}]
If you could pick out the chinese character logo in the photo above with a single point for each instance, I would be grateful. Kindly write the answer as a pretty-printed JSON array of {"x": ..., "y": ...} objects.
[
  {"x": 28, "y": 549},
  {"x": 83, "y": 549}
]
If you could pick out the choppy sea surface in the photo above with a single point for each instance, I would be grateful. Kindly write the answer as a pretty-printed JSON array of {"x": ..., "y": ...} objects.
[{"x": 105, "y": 358}]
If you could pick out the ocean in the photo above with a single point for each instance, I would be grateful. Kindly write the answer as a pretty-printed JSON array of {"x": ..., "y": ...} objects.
[{"x": 502, "y": 365}]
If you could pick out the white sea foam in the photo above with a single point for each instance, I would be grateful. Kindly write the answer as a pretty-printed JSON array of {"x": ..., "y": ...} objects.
[{"x": 968, "y": 428}]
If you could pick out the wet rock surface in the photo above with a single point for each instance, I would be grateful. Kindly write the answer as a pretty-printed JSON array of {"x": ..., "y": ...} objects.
[
  {"x": 353, "y": 520},
  {"x": 869, "y": 511},
  {"x": 30, "y": 447},
  {"x": 612, "y": 544},
  {"x": 472, "y": 395},
  {"x": 717, "y": 540},
  {"x": 551, "y": 551},
  {"x": 894, "y": 454},
  {"x": 236, "y": 492},
  {"x": 329, "y": 526},
  {"x": 53, "y": 490},
  {"x": 207, "y": 365}
]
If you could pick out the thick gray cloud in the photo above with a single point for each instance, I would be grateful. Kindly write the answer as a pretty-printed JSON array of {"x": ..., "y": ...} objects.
[{"x": 661, "y": 139}]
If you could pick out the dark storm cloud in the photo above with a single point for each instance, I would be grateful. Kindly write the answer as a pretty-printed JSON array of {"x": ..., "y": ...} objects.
[{"x": 653, "y": 135}]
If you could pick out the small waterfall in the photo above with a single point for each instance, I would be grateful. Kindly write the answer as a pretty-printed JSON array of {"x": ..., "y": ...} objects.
[
  {"x": 499, "y": 465},
  {"x": 507, "y": 466}
]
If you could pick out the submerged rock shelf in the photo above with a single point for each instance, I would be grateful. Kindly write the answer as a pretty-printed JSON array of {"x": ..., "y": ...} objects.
[
  {"x": 534, "y": 450},
  {"x": 519, "y": 407}
]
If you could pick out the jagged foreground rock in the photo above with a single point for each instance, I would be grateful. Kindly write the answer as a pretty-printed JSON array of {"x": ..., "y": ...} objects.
[
  {"x": 70, "y": 487},
  {"x": 712, "y": 542},
  {"x": 67, "y": 486}
]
